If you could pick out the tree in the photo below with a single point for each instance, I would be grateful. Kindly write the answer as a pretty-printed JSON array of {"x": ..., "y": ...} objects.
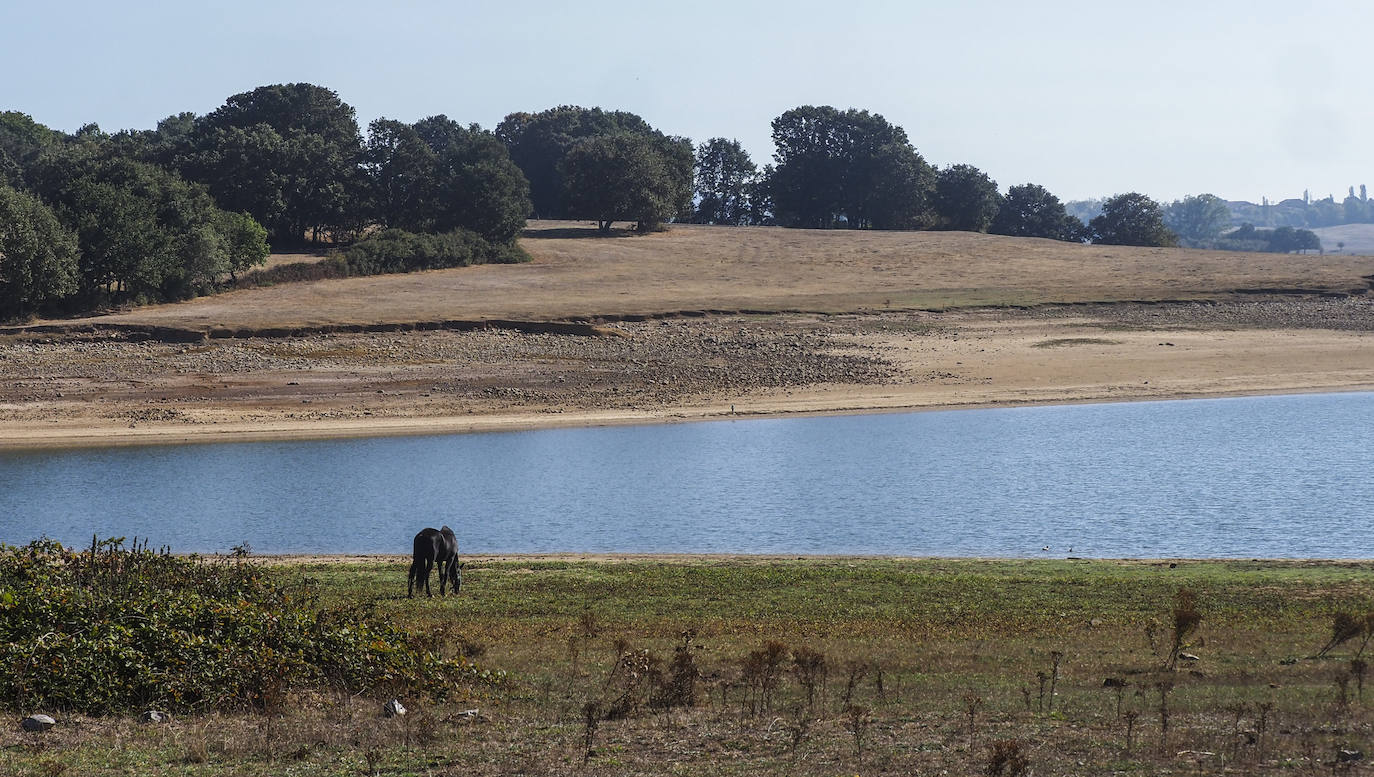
[
  {"x": 1131, "y": 219},
  {"x": 1029, "y": 210},
  {"x": 724, "y": 173},
  {"x": 622, "y": 177},
  {"x": 401, "y": 173},
  {"x": 22, "y": 140},
  {"x": 37, "y": 255},
  {"x": 846, "y": 168},
  {"x": 965, "y": 198},
  {"x": 1199, "y": 219},
  {"x": 242, "y": 241},
  {"x": 537, "y": 143},
  {"x": 899, "y": 189},
  {"x": 479, "y": 187},
  {"x": 286, "y": 154},
  {"x": 143, "y": 232}
]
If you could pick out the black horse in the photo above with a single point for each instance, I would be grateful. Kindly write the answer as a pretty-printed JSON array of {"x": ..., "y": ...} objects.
[{"x": 435, "y": 547}]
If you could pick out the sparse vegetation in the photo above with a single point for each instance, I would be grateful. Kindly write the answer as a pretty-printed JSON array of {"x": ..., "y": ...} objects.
[
  {"x": 952, "y": 641},
  {"x": 111, "y": 629}
]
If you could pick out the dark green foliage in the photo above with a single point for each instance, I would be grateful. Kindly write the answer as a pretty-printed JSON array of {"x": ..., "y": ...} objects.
[
  {"x": 400, "y": 170},
  {"x": 144, "y": 233},
  {"x": 110, "y": 629},
  {"x": 724, "y": 175},
  {"x": 437, "y": 175},
  {"x": 966, "y": 199},
  {"x": 474, "y": 184},
  {"x": 1281, "y": 240},
  {"x": 38, "y": 257},
  {"x": 286, "y": 154},
  {"x": 1029, "y": 210},
  {"x": 1131, "y": 219},
  {"x": 396, "y": 250},
  {"x": 538, "y": 142},
  {"x": 625, "y": 177},
  {"x": 22, "y": 141},
  {"x": 846, "y": 168}
]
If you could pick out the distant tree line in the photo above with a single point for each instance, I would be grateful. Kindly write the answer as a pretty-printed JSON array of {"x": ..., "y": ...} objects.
[
  {"x": 1305, "y": 212},
  {"x": 1207, "y": 221},
  {"x": 92, "y": 219}
]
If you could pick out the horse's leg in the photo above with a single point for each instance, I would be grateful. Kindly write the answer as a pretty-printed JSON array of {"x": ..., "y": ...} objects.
[
  {"x": 411, "y": 577},
  {"x": 429, "y": 564},
  {"x": 443, "y": 575}
]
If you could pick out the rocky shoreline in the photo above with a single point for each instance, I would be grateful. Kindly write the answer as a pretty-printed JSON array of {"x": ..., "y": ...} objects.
[{"x": 642, "y": 370}]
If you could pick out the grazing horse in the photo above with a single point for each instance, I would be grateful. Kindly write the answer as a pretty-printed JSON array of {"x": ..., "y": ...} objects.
[{"x": 435, "y": 547}]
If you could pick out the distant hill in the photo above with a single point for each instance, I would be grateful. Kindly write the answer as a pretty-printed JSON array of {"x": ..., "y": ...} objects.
[{"x": 1358, "y": 239}]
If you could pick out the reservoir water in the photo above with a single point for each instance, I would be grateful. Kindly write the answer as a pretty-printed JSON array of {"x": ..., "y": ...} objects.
[{"x": 1285, "y": 476}]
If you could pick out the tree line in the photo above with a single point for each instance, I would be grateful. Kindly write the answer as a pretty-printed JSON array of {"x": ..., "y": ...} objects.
[{"x": 92, "y": 219}]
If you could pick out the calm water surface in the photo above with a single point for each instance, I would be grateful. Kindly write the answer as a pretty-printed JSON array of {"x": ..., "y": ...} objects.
[{"x": 1266, "y": 477}]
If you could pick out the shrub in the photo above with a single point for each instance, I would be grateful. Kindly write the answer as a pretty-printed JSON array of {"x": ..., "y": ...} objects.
[
  {"x": 112, "y": 629},
  {"x": 396, "y": 250}
]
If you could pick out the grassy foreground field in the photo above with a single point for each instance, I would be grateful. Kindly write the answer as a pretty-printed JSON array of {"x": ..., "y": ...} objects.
[{"x": 815, "y": 666}]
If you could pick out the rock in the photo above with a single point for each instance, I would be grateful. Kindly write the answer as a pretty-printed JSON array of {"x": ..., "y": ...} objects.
[
  {"x": 1114, "y": 682},
  {"x": 394, "y": 709},
  {"x": 37, "y": 723},
  {"x": 1187, "y": 657},
  {"x": 469, "y": 714},
  {"x": 154, "y": 716},
  {"x": 1348, "y": 756}
]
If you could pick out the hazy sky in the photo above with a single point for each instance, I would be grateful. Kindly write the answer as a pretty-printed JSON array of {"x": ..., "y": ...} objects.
[{"x": 1239, "y": 98}]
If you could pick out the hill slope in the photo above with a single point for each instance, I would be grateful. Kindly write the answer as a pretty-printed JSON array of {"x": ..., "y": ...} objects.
[{"x": 576, "y": 274}]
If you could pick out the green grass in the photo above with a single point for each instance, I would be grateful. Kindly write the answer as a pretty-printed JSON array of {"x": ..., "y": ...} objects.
[{"x": 915, "y": 644}]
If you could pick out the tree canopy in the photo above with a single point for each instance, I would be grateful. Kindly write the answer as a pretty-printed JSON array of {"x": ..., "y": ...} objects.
[
  {"x": 1030, "y": 210},
  {"x": 1197, "y": 220},
  {"x": 1131, "y": 219},
  {"x": 38, "y": 256},
  {"x": 286, "y": 154},
  {"x": 143, "y": 232},
  {"x": 724, "y": 176},
  {"x": 537, "y": 143},
  {"x": 621, "y": 177},
  {"x": 846, "y": 168},
  {"x": 965, "y": 198}
]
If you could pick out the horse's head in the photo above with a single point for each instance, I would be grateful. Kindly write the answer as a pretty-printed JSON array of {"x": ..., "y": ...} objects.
[{"x": 455, "y": 577}]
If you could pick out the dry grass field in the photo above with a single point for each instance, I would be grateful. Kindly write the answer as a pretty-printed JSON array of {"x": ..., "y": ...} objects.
[{"x": 576, "y": 274}]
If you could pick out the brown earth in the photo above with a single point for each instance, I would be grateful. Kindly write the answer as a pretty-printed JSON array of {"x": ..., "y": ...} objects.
[{"x": 697, "y": 322}]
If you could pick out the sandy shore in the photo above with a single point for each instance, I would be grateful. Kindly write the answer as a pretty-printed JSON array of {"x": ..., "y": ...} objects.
[{"x": 98, "y": 390}]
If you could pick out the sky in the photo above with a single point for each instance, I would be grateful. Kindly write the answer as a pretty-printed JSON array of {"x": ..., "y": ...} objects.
[{"x": 1240, "y": 99}]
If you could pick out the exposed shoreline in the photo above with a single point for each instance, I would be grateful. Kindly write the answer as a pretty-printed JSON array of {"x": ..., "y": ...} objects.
[
  {"x": 839, "y": 322},
  {"x": 100, "y": 392},
  {"x": 99, "y": 437}
]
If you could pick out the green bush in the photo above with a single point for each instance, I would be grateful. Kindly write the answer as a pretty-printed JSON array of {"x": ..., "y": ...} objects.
[
  {"x": 111, "y": 629},
  {"x": 396, "y": 250}
]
